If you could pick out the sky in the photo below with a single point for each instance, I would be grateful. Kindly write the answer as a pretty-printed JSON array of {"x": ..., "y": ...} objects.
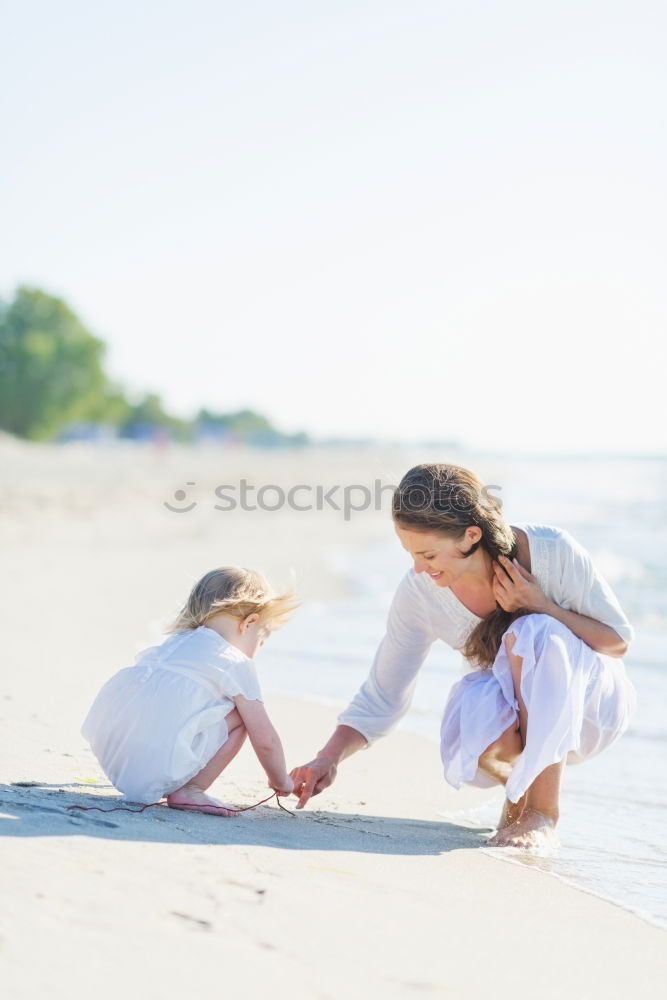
[{"x": 413, "y": 220}]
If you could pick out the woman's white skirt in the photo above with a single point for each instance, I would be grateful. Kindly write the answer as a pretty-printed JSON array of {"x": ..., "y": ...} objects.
[{"x": 578, "y": 703}]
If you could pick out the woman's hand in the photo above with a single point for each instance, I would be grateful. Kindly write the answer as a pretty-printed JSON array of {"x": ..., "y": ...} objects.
[
  {"x": 514, "y": 587},
  {"x": 313, "y": 778}
]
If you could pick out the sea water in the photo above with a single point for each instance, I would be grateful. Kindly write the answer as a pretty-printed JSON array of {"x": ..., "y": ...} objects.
[{"x": 613, "y": 807}]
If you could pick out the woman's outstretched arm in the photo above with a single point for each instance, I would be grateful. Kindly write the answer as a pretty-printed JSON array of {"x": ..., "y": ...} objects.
[{"x": 383, "y": 698}]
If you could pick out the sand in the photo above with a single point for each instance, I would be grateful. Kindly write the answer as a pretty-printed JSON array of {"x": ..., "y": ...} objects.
[{"x": 369, "y": 892}]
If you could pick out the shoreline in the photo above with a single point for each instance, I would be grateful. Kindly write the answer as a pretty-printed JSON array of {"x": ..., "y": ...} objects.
[
  {"x": 643, "y": 915},
  {"x": 482, "y": 798}
]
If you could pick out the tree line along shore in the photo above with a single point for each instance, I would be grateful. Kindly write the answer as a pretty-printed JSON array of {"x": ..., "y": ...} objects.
[{"x": 54, "y": 387}]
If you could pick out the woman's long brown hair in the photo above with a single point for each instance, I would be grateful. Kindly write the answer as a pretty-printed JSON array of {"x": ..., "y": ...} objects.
[{"x": 445, "y": 500}]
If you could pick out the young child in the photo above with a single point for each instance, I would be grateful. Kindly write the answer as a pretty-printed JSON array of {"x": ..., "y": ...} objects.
[{"x": 170, "y": 724}]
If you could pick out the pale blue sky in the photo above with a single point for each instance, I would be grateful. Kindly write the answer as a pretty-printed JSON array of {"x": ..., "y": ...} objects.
[{"x": 441, "y": 220}]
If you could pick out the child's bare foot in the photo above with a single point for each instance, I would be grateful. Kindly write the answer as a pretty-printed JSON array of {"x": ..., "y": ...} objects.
[
  {"x": 511, "y": 812},
  {"x": 532, "y": 830},
  {"x": 195, "y": 798}
]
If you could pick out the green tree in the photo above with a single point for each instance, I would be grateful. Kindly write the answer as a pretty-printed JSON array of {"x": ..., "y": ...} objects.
[
  {"x": 249, "y": 426},
  {"x": 242, "y": 422},
  {"x": 149, "y": 414},
  {"x": 50, "y": 366},
  {"x": 51, "y": 375},
  {"x": 148, "y": 410}
]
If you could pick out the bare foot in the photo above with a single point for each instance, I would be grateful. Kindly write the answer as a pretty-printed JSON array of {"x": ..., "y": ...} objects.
[
  {"x": 511, "y": 812},
  {"x": 532, "y": 830},
  {"x": 195, "y": 798}
]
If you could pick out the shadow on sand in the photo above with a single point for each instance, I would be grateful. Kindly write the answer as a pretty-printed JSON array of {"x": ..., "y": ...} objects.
[{"x": 36, "y": 810}]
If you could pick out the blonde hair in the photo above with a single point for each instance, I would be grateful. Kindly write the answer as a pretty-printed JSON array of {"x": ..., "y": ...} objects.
[{"x": 237, "y": 592}]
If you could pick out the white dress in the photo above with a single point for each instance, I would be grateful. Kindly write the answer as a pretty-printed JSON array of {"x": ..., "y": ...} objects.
[
  {"x": 155, "y": 725},
  {"x": 578, "y": 701}
]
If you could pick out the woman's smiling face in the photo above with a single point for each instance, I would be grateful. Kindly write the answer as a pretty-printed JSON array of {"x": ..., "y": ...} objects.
[{"x": 439, "y": 555}]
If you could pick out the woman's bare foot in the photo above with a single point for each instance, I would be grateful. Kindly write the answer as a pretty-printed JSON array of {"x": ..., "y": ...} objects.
[
  {"x": 511, "y": 812},
  {"x": 532, "y": 830},
  {"x": 195, "y": 798}
]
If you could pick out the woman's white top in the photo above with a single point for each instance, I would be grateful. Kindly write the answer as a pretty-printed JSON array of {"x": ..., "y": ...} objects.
[
  {"x": 155, "y": 725},
  {"x": 422, "y": 612}
]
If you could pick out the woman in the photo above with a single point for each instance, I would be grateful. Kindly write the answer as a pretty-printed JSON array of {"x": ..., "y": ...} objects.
[{"x": 542, "y": 634}]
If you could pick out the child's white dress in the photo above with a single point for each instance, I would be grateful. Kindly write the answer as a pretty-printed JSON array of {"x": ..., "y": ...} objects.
[{"x": 155, "y": 725}]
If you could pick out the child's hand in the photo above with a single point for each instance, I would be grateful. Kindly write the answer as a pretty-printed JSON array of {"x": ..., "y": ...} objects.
[{"x": 284, "y": 788}]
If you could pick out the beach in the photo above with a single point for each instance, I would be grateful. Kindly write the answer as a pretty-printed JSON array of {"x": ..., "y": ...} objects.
[{"x": 367, "y": 892}]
